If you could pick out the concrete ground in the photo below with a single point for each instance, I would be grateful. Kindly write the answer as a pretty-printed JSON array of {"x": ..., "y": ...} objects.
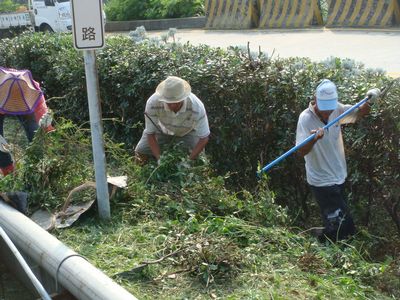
[
  {"x": 11, "y": 288},
  {"x": 374, "y": 47}
]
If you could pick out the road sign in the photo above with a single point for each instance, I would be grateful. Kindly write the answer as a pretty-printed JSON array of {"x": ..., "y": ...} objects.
[
  {"x": 87, "y": 24},
  {"x": 88, "y": 32}
]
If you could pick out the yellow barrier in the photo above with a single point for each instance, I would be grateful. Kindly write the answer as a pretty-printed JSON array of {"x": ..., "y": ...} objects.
[
  {"x": 363, "y": 13},
  {"x": 397, "y": 12},
  {"x": 231, "y": 14},
  {"x": 289, "y": 13}
]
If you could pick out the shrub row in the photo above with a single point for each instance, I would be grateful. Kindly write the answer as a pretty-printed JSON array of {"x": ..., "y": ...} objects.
[
  {"x": 253, "y": 104},
  {"x": 8, "y": 6},
  {"x": 127, "y": 10}
]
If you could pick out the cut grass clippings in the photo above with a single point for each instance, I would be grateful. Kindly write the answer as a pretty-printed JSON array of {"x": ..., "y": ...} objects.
[
  {"x": 273, "y": 264},
  {"x": 176, "y": 232}
]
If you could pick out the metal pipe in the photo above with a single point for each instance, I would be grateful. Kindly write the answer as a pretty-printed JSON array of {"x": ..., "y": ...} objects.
[
  {"x": 36, "y": 283},
  {"x": 310, "y": 138},
  {"x": 76, "y": 274}
]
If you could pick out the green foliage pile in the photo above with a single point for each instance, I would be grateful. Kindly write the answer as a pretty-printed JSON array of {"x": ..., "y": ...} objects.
[
  {"x": 177, "y": 232},
  {"x": 58, "y": 161},
  {"x": 253, "y": 103},
  {"x": 229, "y": 258},
  {"x": 51, "y": 166},
  {"x": 186, "y": 189},
  {"x": 127, "y": 10}
]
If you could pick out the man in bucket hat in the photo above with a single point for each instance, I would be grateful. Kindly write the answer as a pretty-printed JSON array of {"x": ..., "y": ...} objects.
[
  {"x": 20, "y": 96},
  {"x": 324, "y": 156},
  {"x": 173, "y": 114}
]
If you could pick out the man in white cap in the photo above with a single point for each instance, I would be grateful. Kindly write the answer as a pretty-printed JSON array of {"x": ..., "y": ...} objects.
[
  {"x": 324, "y": 156},
  {"x": 173, "y": 114}
]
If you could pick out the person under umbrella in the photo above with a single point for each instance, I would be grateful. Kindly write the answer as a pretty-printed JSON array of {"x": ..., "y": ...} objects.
[{"x": 22, "y": 97}]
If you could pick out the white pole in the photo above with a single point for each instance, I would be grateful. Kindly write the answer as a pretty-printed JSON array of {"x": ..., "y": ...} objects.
[
  {"x": 96, "y": 127},
  {"x": 75, "y": 274}
]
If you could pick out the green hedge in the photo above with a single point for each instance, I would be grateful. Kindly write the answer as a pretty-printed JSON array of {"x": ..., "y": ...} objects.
[
  {"x": 253, "y": 105},
  {"x": 127, "y": 10},
  {"x": 8, "y": 6}
]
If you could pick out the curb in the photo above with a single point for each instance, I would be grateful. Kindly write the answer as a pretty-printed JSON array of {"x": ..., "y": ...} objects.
[
  {"x": 162, "y": 24},
  {"x": 394, "y": 74}
]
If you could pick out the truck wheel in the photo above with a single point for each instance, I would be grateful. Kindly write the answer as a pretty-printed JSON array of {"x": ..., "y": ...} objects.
[{"x": 46, "y": 28}]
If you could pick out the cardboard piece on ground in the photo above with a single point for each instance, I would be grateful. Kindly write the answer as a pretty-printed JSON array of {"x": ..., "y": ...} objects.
[
  {"x": 44, "y": 219},
  {"x": 71, "y": 212}
]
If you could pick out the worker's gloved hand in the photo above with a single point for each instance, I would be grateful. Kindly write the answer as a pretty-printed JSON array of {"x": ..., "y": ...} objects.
[
  {"x": 373, "y": 95},
  {"x": 4, "y": 145},
  {"x": 45, "y": 120},
  {"x": 184, "y": 164}
]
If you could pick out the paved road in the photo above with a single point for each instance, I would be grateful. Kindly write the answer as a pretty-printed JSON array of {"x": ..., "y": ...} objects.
[{"x": 374, "y": 48}]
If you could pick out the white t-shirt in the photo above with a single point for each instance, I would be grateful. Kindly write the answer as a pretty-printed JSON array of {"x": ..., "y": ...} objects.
[
  {"x": 326, "y": 162},
  {"x": 192, "y": 117}
]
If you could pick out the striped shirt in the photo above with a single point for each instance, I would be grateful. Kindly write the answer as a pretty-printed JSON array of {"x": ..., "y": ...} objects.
[{"x": 191, "y": 118}]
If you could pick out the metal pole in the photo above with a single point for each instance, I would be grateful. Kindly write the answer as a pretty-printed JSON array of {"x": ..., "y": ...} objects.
[
  {"x": 96, "y": 127},
  {"x": 310, "y": 138},
  {"x": 74, "y": 273},
  {"x": 36, "y": 283}
]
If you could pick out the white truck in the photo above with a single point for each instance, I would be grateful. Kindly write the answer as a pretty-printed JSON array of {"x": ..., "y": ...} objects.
[{"x": 41, "y": 15}]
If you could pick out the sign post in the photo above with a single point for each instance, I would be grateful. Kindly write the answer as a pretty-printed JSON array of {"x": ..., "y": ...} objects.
[{"x": 88, "y": 34}]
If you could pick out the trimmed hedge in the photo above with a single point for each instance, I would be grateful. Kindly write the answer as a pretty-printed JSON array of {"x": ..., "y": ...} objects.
[
  {"x": 8, "y": 6},
  {"x": 253, "y": 104},
  {"x": 128, "y": 10}
]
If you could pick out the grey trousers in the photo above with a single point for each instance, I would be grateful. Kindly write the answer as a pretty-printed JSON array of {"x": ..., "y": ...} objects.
[{"x": 189, "y": 142}]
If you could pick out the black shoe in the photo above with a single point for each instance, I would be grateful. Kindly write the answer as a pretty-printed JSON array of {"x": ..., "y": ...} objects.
[
  {"x": 20, "y": 199},
  {"x": 317, "y": 232}
]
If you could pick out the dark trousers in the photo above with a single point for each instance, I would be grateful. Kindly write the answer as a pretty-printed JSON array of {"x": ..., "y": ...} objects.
[
  {"x": 335, "y": 214},
  {"x": 30, "y": 126}
]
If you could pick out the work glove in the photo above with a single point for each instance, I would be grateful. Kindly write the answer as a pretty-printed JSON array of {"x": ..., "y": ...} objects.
[
  {"x": 373, "y": 95},
  {"x": 4, "y": 145},
  {"x": 45, "y": 121},
  {"x": 184, "y": 164}
]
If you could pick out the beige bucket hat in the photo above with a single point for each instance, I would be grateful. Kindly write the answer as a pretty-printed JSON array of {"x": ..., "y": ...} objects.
[
  {"x": 19, "y": 94},
  {"x": 173, "y": 90}
]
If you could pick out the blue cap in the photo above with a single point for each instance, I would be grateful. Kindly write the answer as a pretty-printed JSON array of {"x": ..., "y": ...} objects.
[{"x": 326, "y": 95}]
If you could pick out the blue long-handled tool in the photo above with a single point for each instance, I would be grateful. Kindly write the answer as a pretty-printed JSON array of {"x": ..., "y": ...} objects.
[{"x": 310, "y": 138}]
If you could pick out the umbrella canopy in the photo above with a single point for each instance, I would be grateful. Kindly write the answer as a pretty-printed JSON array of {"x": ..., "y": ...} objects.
[{"x": 19, "y": 93}]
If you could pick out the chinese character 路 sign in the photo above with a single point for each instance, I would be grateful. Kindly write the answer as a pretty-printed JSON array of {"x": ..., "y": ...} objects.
[{"x": 88, "y": 24}]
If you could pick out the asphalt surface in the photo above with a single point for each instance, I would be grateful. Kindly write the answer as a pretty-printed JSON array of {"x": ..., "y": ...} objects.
[{"x": 375, "y": 48}]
